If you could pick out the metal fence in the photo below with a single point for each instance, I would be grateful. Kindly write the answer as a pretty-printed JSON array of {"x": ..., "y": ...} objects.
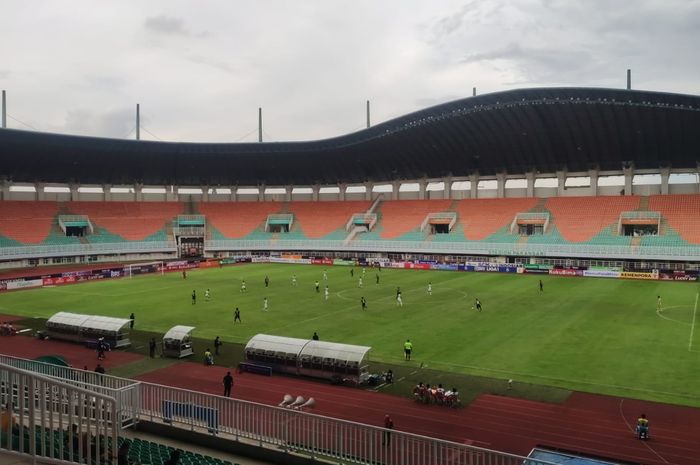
[
  {"x": 52, "y": 421},
  {"x": 689, "y": 253},
  {"x": 125, "y": 391},
  {"x": 41, "y": 251},
  {"x": 315, "y": 436}
]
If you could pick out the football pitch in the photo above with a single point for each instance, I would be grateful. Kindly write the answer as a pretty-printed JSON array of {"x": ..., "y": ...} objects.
[{"x": 595, "y": 335}]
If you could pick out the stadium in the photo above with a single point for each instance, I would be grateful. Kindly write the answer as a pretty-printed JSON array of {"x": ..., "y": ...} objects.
[{"x": 539, "y": 248}]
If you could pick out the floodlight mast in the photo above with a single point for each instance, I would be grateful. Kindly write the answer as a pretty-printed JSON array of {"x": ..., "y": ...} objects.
[
  {"x": 260, "y": 139},
  {"x": 138, "y": 122},
  {"x": 629, "y": 79},
  {"x": 368, "y": 122},
  {"x": 4, "y": 111}
]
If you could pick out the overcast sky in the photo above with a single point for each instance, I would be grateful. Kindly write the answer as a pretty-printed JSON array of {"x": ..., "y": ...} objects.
[{"x": 200, "y": 69}]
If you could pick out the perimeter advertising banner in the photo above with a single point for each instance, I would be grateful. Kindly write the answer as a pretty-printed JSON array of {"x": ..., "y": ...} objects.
[
  {"x": 321, "y": 261},
  {"x": 24, "y": 284},
  {"x": 601, "y": 273},
  {"x": 651, "y": 275},
  {"x": 342, "y": 262},
  {"x": 678, "y": 276},
  {"x": 566, "y": 272}
]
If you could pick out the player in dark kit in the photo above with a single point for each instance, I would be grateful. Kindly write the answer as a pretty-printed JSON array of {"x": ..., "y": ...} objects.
[
  {"x": 237, "y": 316},
  {"x": 194, "y": 297},
  {"x": 477, "y": 304},
  {"x": 541, "y": 286},
  {"x": 364, "y": 303}
]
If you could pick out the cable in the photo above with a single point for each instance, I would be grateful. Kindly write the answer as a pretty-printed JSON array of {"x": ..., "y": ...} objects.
[
  {"x": 130, "y": 132},
  {"x": 22, "y": 122},
  {"x": 152, "y": 134},
  {"x": 251, "y": 132}
]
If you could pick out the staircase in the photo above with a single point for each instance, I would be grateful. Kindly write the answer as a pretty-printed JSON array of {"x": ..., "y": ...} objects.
[
  {"x": 539, "y": 208},
  {"x": 643, "y": 204}
]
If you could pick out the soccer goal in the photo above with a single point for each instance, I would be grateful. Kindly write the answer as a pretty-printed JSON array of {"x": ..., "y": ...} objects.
[{"x": 144, "y": 268}]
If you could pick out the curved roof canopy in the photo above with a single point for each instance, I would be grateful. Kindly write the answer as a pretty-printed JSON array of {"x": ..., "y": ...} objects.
[
  {"x": 517, "y": 131},
  {"x": 305, "y": 347},
  {"x": 179, "y": 333},
  {"x": 101, "y": 323}
]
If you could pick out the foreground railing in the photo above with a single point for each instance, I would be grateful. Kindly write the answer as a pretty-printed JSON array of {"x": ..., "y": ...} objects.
[
  {"x": 52, "y": 421},
  {"x": 294, "y": 431},
  {"x": 125, "y": 391}
]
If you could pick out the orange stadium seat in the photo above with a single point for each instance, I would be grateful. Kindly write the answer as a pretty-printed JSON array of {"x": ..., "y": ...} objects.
[
  {"x": 484, "y": 217},
  {"x": 318, "y": 219},
  {"x": 235, "y": 220},
  {"x": 682, "y": 211},
  {"x": 579, "y": 219},
  {"x": 402, "y": 216},
  {"x": 27, "y": 222},
  {"x": 134, "y": 221}
]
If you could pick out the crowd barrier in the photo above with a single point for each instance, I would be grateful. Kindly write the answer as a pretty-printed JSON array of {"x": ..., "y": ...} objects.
[{"x": 294, "y": 431}]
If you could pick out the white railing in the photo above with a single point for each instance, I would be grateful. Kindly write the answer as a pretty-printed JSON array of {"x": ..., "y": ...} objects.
[
  {"x": 442, "y": 215},
  {"x": 63, "y": 219},
  {"x": 530, "y": 216},
  {"x": 315, "y": 436},
  {"x": 194, "y": 231},
  {"x": 288, "y": 217},
  {"x": 690, "y": 253},
  {"x": 125, "y": 391},
  {"x": 639, "y": 215},
  {"x": 370, "y": 219},
  {"x": 40, "y": 251},
  {"x": 55, "y": 422}
]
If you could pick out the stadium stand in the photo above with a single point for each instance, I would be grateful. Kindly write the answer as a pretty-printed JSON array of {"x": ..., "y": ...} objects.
[
  {"x": 399, "y": 217},
  {"x": 482, "y": 218},
  {"x": 132, "y": 221},
  {"x": 319, "y": 219},
  {"x": 682, "y": 212},
  {"x": 27, "y": 222},
  {"x": 237, "y": 220},
  {"x": 583, "y": 219}
]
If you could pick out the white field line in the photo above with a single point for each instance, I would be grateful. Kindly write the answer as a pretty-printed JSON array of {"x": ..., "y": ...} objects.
[{"x": 692, "y": 326}]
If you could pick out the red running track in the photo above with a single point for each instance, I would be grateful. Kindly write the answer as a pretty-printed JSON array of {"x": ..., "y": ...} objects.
[
  {"x": 76, "y": 355},
  {"x": 586, "y": 423}
]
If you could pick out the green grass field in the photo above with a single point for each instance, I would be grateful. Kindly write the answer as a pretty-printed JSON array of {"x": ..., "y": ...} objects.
[{"x": 595, "y": 335}]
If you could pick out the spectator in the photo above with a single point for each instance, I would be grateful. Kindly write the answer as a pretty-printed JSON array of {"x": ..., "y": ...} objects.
[
  {"x": 315, "y": 336},
  {"x": 388, "y": 425},
  {"x": 208, "y": 357},
  {"x": 152, "y": 347},
  {"x": 132, "y": 317},
  {"x": 123, "y": 454},
  {"x": 228, "y": 384},
  {"x": 100, "y": 369},
  {"x": 174, "y": 458},
  {"x": 389, "y": 377},
  {"x": 7, "y": 419},
  {"x": 217, "y": 344}
]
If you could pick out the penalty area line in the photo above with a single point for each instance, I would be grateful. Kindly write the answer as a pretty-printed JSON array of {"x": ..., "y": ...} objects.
[{"x": 692, "y": 326}]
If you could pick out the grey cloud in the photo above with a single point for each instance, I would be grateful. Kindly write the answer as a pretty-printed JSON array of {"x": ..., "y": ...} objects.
[
  {"x": 111, "y": 123},
  {"x": 220, "y": 65},
  {"x": 166, "y": 25},
  {"x": 4, "y": 74}
]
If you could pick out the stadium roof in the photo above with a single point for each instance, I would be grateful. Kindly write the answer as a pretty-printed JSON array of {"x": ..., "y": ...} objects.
[{"x": 517, "y": 131}]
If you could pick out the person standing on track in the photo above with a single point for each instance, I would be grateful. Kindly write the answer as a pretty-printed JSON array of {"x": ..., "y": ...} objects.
[
  {"x": 228, "y": 384},
  {"x": 388, "y": 425}
]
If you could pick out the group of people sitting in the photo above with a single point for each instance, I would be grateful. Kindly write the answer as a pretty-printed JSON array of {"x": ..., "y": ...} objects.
[
  {"x": 6, "y": 329},
  {"x": 432, "y": 394}
]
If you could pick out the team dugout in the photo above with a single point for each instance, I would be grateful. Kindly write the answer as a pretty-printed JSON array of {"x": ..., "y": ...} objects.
[
  {"x": 318, "y": 359},
  {"x": 88, "y": 329}
]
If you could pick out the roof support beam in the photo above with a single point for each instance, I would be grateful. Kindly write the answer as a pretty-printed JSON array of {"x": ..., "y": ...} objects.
[
  {"x": 474, "y": 185},
  {"x": 501, "y": 185},
  {"x": 530, "y": 189},
  {"x": 665, "y": 174},
  {"x": 628, "y": 172},
  {"x": 593, "y": 175}
]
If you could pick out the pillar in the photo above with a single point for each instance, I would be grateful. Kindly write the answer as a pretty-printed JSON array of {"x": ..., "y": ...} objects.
[
  {"x": 447, "y": 190},
  {"x": 422, "y": 184},
  {"x": 501, "y": 185},
  {"x": 74, "y": 194},
  {"x": 474, "y": 185},
  {"x": 205, "y": 193},
  {"x": 234, "y": 194},
  {"x": 593, "y": 174},
  {"x": 530, "y": 188},
  {"x": 665, "y": 174},
  {"x": 697, "y": 172},
  {"x": 315, "y": 192},
  {"x": 106, "y": 192},
  {"x": 341, "y": 191},
  {"x": 261, "y": 193},
  {"x": 39, "y": 194},
  {"x": 138, "y": 192},
  {"x": 368, "y": 190},
  {"x": 395, "y": 186},
  {"x": 629, "y": 175},
  {"x": 288, "y": 193},
  {"x": 561, "y": 183},
  {"x": 4, "y": 189}
]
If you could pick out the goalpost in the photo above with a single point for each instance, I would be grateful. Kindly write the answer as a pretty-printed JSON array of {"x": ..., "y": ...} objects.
[{"x": 154, "y": 266}]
